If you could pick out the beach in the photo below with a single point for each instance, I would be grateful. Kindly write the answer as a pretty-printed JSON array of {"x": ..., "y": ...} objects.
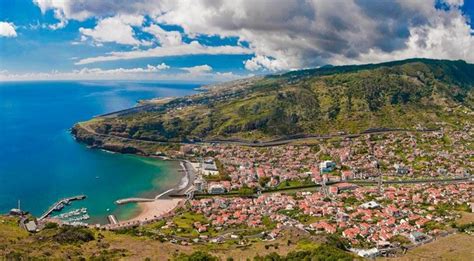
[
  {"x": 156, "y": 209},
  {"x": 163, "y": 203}
]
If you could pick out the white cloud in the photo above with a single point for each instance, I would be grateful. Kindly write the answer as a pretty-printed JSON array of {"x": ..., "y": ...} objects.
[
  {"x": 263, "y": 62},
  {"x": 454, "y": 3},
  {"x": 156, "y": 73},
  {"x": 147, "y": 69},
  {"x": 306, "y": 33},
  {"x": 192, "y": 48},
  {"x": 117, "y": 29},
  {"x": 82, "y": 9},
  {"x": 7, "y": 29},
  {"x": 200, "y": 69},
  {"x": 165, "y": 38},
  {"x": 293, "y": 34},
  {"x": 445, "y": 41}
]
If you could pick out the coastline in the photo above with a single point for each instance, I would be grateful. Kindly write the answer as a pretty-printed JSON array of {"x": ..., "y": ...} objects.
[
  {"x": 163, "y": 204},
  {"x": 154, "y": 210},
  {"x": 155, "y": 207}
]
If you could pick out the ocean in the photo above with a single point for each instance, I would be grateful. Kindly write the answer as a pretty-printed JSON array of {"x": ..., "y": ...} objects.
[{"x": 40, "y": 162}]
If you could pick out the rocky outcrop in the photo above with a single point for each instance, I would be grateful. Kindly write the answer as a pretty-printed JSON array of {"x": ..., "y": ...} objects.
[{"x": 107, "y": 142}]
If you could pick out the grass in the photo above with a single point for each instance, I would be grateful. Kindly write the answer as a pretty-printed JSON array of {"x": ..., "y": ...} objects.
[
  {"x": 452, "y": 247},
  {"x": 16, "y": 243},
  {"x": 466, "y": 218},
  {"x": 339, "y": 101},
  {"x": 303, "y": 218},
  {"x": 9, "y": 229},
  {"x": 307, "y": 245},
  {"x": 293, "y": 183}
]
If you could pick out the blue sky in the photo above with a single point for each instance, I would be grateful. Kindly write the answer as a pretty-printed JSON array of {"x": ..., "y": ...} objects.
[{"x": 217, "y": 41}]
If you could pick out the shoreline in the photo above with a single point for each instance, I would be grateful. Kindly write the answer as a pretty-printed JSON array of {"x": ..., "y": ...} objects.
[
  {"x": 158, "y": 205},
  {"x": 162, "y": 204},
  {"x": 153, "y": 210}
]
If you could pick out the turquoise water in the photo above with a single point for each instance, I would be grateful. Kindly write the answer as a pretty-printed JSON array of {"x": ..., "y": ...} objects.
[{"x": 40, "y": 162}]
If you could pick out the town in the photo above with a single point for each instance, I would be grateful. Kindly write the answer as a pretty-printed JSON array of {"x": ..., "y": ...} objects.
[{"x": 379, "y": 193}]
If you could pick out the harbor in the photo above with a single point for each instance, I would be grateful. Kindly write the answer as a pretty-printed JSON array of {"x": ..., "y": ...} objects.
[
  {"x": 58, "y": 206},
  {"x": 74, "y": 217}
]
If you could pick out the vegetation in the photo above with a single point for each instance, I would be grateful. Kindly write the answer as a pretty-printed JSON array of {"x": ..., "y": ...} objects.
[
  {"x": 301, "y": 217},
  {"x": 70, "y": 234},
  {"x": 197, "y": 256},
  {"x": 322, "y": 252},
  {"x": 352, "y": 99},
  {"x": 402, "y": 240},
  {"x": 467, "y": 228}
]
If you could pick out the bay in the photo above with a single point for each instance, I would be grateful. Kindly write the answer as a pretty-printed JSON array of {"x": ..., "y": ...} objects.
[{"x": 40, "y": 162}]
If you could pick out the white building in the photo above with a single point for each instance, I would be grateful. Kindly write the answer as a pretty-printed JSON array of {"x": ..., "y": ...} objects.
[
  {"x": 370, "y": 205},
  {"x": 216, "y": 189},
  {"x": 209, "y": 168}
]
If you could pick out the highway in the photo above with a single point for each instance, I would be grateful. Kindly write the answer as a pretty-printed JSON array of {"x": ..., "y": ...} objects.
[{"x": 275, "y": 142}]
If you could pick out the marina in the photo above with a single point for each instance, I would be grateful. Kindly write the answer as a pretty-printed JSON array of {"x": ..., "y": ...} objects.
[{"x": 58, "y": 206}]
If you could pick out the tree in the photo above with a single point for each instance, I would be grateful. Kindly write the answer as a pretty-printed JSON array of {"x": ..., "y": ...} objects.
[{"x": 263, "y": 181}]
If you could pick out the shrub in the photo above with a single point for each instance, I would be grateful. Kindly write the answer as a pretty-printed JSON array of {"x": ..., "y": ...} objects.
[
  {"x": 324, "y": 252},
  {"x": 196, "y": 256},
  {"x": 51, "y": 225},
  {"x": 69, "y": 235}
]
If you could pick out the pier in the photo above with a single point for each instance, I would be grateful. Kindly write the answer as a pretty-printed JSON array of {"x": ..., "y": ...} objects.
[
  {"x": 133, "y": 200},
  {"x": 64, "y": 201},
  {"x": 112, "y": 220}
]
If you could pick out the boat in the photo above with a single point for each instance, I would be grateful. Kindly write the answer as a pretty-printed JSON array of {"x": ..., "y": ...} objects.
[{"x": 59, "y": 207}]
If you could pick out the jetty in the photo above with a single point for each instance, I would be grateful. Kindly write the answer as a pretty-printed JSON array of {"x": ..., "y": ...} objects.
[
  {"x": 133, "y": 200},
  {"x": 58, "y": 205},
  {"x": 137, "y": 200},
  {"x": 112, "y": 220}
]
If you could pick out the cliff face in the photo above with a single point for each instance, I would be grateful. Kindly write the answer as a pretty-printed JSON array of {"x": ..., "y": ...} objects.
[
  {"x": 416, "y": 93},
  {"x": 114, "y": 144}
]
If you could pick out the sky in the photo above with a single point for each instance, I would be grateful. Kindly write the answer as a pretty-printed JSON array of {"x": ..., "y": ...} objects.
[{"x": 221, "y": 40}]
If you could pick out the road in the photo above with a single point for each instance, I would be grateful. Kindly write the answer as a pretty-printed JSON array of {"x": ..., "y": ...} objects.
[
  {"x": 271, "y": 143},
  {"x": 356, "y": 182}
]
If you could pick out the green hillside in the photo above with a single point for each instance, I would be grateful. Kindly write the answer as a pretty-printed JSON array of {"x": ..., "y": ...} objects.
[{"x": 415, "y": 93}]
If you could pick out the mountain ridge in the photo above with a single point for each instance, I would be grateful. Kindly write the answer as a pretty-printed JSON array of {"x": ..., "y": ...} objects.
[{"x": 408, "y": 94}]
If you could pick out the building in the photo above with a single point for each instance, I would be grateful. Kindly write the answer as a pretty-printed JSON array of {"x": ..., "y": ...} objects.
[
  {"x": 370, "y": 205},
  {"x": 327, "y": 166},
  {"x": 400, "y": 169},
  {"x": 344, "y": 186},
  {"x": 209, "y": 168},
  {"x": 200, "y": 184},
  {"x": 366, "y": 253},
  {"x": 16, "y": 212},
  {"x": 31, "y": 226},
  {"x": 216, "y": 189},
  {"x": 417, "y": 237}
]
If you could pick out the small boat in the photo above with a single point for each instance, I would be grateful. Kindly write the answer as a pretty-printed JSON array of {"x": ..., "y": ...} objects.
[
  {"x": 96, "y": 177},
  {"x": 59, "y": 207},
  {"x": 108, "y": 209}
]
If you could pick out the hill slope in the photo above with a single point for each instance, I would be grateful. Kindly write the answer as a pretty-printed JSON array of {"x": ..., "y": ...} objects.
[{"x": 403, "y": 94}]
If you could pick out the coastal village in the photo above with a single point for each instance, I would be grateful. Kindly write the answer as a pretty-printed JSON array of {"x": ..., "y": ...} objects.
[{"x": 380, "y": 194}]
